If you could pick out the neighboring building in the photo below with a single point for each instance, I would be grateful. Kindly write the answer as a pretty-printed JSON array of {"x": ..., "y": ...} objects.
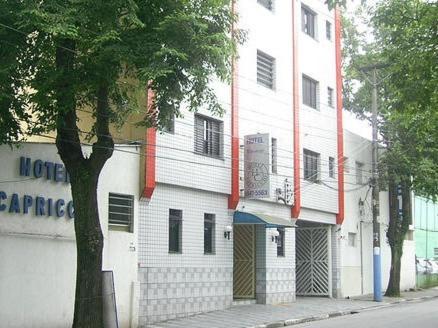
[
  {"x": 426, "y": 228},
  {"x": 357, "y": 230}
]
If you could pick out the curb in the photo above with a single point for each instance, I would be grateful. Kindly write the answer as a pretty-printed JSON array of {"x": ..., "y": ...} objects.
[{"x": 296, "y": 321}]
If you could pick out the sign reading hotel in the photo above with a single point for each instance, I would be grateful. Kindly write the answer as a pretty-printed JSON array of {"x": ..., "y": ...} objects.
[
  {"x": 39, "y": 205},
  {"x": 257, "y": 166}
]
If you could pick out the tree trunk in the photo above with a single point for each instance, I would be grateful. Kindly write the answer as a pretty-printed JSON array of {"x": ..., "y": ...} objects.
[{"x": 393, "y": 288}]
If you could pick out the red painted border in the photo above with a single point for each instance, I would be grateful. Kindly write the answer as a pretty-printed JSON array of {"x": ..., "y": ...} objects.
[
  {"x": 296, "y": 208},
  {"x": 233, "y": 199},
  {"x": 339, "y": 123},
  {"x": 150, "y": 155}
]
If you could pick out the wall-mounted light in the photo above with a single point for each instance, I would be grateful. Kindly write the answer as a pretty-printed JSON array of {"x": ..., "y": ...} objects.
[
  {"x": 227, "y": 231},
  {"x": 275, "y": 235}
]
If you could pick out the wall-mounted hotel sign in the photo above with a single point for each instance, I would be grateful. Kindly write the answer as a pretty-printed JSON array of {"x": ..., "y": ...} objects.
[
  {"x": 40, "y": 205},
  {"x": 257, "y": 178}
]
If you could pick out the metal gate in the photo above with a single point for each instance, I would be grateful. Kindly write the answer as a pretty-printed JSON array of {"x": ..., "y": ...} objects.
[
  {"x": 312, "y": 262},
  {"x": 244, "y": 261}
]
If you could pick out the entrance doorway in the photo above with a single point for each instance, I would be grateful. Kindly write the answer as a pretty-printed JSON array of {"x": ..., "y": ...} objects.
[
  {"x": 313, "y": 261},
  {"x": 244, "y": 261}
]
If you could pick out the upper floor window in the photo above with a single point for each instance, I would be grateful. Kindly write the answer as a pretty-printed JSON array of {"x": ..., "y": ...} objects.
[
  {"x": 328, "y": 30},
  {"x": 310, "y": 92},
  {"x": 331, "y": 164},
  {"x": 274, "y": 166},
  {"x": 330, "y": 101},
  {"x": 268, "y": 4},
  {"x": 121, "y": 212},
  {"x": 265, "y": 70},
  {"x": 208, "y": 136},
  {"x": 308, "y": 21},
  {"x": 311, "y": 165},
  {"x": 175, "y": 231}
]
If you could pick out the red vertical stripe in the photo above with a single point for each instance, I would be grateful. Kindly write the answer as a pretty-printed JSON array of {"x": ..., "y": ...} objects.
[
  {"x": 150, "y": 155},
  {"x": 233, "y": 199},
  {"x": 340, "y": 128},
  {"x": 296, "y": 208}
]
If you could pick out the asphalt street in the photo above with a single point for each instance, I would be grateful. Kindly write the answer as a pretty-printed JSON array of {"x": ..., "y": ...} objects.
[{"x": 422, "y": 314}]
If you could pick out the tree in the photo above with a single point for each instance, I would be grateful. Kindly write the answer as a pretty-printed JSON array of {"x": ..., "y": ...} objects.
[
  {"x": 59, "y": 57},
  {"x": 405, "y": 39}
]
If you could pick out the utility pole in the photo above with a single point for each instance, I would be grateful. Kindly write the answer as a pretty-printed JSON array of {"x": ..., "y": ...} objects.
[
  {"x": 377, "y": 271},
  {"x": 375, "y": 193}
]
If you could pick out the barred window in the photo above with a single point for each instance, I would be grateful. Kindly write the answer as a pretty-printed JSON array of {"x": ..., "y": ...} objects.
[
  {"x": 120, "y": 212},
  {"x": 311, "y": 165},
  {"x": 310, "y": 88},
  {"x": 268, "y": 4},
  {"x": 308, "y": 21},
  {"x": 175, "y": 231},
  {"x": 265, "y": 70},
  {"x": 208, "y": 136},
  {"x": 209, "y": 233}
]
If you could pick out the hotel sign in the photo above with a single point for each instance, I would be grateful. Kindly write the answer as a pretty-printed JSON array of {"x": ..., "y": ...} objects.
[{"x": 257, "y": 178}]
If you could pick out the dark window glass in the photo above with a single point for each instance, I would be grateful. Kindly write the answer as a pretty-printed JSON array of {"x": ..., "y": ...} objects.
[
  {"x": 330, "y": 101},
  {"x": 175, "y": 231},
  {"x": 208, "y": 136},
  {"x": 310, "y": 92},
  {"x": 311, "y": 166},
  {"x": 331, "y": 167},
  {"x": 308, "y": 18},
  {"x": 209, "y": 233},
  {"x": 280, "y": 242},
  {"x": 328, "y": 30}
]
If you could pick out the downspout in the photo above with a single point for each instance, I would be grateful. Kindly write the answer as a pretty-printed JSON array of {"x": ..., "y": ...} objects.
[
  {"x": 296, "y": 208},
  {"x": 339, "y": 123},
  {"x": 233, "y": 198}
]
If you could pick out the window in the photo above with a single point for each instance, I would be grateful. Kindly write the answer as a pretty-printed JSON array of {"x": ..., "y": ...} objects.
[
  {"x": 310, "y": 87},
  {"x": 175, "y": 231},
  {"x": 265, "y": 70},
  {"x": 169, "y": 126},
  {"x": 121, "y": 212},
  {"x": 308, "y": 19},
  {"x": 311, "y": 166},
  {"x": 359, "y": 171},
  {"x": 330, "y": 101},
  {"x": 274, "y": 155},
  {"x": 352, "y": 239},
  {"x": 331, "y": 167},
  {"x": 209, "y": 229},
  {"x": 346, "y": 165},
  {"x": 280, "y": 242},
  {"x": 208, "y": 136},
  {"x": 268, "y": 4},
  {"x": 328, "y": 30}
]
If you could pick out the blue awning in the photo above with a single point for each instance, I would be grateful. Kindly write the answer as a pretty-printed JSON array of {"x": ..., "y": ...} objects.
[{"x": 268, "y": 221}]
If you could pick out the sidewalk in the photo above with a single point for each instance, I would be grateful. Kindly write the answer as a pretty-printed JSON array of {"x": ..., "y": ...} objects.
[{"x": 303, "y": 310}]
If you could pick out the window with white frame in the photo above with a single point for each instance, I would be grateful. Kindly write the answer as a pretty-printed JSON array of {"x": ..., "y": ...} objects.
[
  {"x": 209, "y": 233},
  {"x": 121, "y": 212},
  {"x": 310, "y": 92},
  {"x": 331, "y": 165},
  {"x": 359, "y": 173},
  {"x": 268, "y": 4},
  {"x": 265, "y": 70},
  {"x": 175, "y": 231},
  {"x": 311, "y": 165},
  {"x": 274, "y": 167},
  {"x": 328, "y": 30},
  {"x": 308, "y": 21},
  {"x": 208, "y": 136},
  {"x": 330, "y": 100}
]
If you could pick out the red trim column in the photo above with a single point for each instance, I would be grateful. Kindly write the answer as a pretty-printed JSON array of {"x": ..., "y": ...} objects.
[
  {"x": 150, "y": 154},
  {"x": 233, "y": 198},
  {"x": 296, "y": 208},
  {"x": 339, "y": 123}
]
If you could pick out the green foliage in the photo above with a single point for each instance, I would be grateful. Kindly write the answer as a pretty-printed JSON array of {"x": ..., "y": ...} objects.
[
  {"x": 175, "y": 47},
  {"x": 405, "y": 40}
]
